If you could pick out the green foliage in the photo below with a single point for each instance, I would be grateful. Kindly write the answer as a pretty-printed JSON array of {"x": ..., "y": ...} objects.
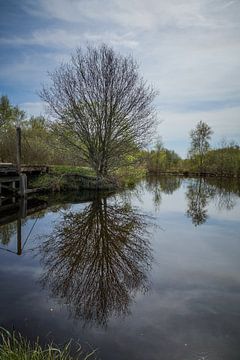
[
  {"x": 161, "y": 159},
  {"x": 8, "y": 113},
  {"x": 68, "y": 169},
  {"x": 49, "y": 181},
  {"x": 200, "y": 138},
  {"x": 128, "y": 176},
  {"x": 133, "y": 170},
  {"x": 40, "y": 142},
  {"x": 224, "y": 161},
  {"x": 56, "y": 181},
  {"x": 15, "y": 347}
]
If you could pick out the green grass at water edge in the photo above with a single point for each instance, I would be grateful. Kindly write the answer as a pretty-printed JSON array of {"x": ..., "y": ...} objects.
[
  {"x": 56, "y": 180},
  {"x": 47, "y": 181},
  {"x": 68, "y": 169},
  {"x": 128, "y": 176},
  {"x": 13, "y": 346}
]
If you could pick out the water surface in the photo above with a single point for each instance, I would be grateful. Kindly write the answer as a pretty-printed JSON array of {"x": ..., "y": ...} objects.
[{"x": 149, "y": 273}]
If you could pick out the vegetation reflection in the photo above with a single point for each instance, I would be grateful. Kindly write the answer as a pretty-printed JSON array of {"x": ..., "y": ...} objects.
[
  {"x": 162, "y": 184},
  {"x": 96, "y": 260},
  {"x": 201, "y": 191}
]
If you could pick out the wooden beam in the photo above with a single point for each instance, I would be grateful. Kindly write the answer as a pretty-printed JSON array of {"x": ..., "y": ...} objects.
[
  {"x": 18, "y": 134},
  {"x": 9, "y": 179}
]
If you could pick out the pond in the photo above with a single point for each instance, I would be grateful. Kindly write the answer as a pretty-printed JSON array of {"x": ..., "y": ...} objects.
[{"x": 148, "y": 273}]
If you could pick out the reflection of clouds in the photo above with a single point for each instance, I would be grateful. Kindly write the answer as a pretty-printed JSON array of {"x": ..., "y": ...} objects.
[
  {"x": 97, "y": 259},
  {"x": 201, "y": 191}
]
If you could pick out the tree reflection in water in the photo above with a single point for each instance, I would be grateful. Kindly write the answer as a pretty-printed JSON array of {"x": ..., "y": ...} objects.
[
  {"x": 162, "y": 184},
  {"x": 6, "y": 232},
  {"x": 96, "y": 260},
  {"x": 200, "y": 191},
  {"x": 197, "y": 198}
]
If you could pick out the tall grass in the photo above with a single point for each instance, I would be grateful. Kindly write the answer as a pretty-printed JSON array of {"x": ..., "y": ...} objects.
[{"x": 13, "y": 346}]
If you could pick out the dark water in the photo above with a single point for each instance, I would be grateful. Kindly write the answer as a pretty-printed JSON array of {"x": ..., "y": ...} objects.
[{"x": 149, "y": 273}]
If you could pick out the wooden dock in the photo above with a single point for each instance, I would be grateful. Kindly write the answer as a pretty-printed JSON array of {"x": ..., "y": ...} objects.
[
  {"x": 14, "y": 181},
  {"x": 7, "y": 169},
  {"x": 12, "y": 209}
]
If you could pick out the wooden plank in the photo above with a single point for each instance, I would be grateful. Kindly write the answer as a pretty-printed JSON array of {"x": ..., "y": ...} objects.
[
  {"x": 8, "y": 170},
  {"x": 34, "y": 168},
  {"x": 9, "y": 179}
]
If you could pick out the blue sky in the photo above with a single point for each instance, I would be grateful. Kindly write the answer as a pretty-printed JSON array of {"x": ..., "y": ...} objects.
[{"x": 189, "y": 50}]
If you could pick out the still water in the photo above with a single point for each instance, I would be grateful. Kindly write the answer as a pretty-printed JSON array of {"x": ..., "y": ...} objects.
[{"x": 148, "y": 273}]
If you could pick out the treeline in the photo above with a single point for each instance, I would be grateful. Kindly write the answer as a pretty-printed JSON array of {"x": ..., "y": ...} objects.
[
  {"x": 40, "y": 143},
  {"x": 224, "y": 161},
  {"x": 202, "y": 159},
  {"x": 161, "y": 159}
]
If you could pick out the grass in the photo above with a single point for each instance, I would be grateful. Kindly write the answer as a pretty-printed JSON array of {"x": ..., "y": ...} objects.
[
  {"x": 68, "y": 169},
  {"x": 129, "y": 175},
  {"x": 56, "y": 179},
  {"x": 13, "y": 346},
  {"x": 48, "y": 181}
]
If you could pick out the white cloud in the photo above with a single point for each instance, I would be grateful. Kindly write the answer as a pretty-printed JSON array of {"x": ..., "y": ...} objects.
[
  {"x": 141, "y": 14},
  {"x": 63, "y": 38},
  {"x": 188, "y": 49},
  {"x": 190, "y": 52}
]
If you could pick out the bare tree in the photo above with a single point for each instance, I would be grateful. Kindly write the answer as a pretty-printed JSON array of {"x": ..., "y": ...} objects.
[{"x": 101, "y": 105}]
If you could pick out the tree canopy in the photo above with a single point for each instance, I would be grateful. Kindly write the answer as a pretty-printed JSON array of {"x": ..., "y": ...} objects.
[
  {"x": 200, "y": 142},
  {"x": 102, "y": 106}
]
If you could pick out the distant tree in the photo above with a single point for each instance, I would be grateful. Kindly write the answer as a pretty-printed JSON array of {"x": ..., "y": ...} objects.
[
  {"x": 200, "y": 138},
  {"x": 8, "y": 112},
  {"x": 102, "y": 106},
  {"x": 158, "y": 149}
]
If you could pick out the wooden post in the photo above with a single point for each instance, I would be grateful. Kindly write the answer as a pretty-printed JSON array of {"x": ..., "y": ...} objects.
[
  {"x": 23, "y": 184},
  {"x": 23, "y": 208},
  {"x": 18, "y": 133},
  {"x": 22, "y": 177},
  {"x": 19, "y": 236}
]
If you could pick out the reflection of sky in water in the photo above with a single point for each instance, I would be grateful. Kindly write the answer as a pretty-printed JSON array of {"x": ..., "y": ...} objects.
[{"x": 192, "y": 309}]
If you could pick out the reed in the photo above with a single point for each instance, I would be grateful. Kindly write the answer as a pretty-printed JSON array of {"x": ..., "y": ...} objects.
[{"x": 13, "y": 346}]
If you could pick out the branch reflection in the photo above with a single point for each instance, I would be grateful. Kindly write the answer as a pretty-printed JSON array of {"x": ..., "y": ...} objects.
[
  {"x": 201, "y": 191},
  {"x": 162, "y": 184},
  {"x": 96, "y": 260}
]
